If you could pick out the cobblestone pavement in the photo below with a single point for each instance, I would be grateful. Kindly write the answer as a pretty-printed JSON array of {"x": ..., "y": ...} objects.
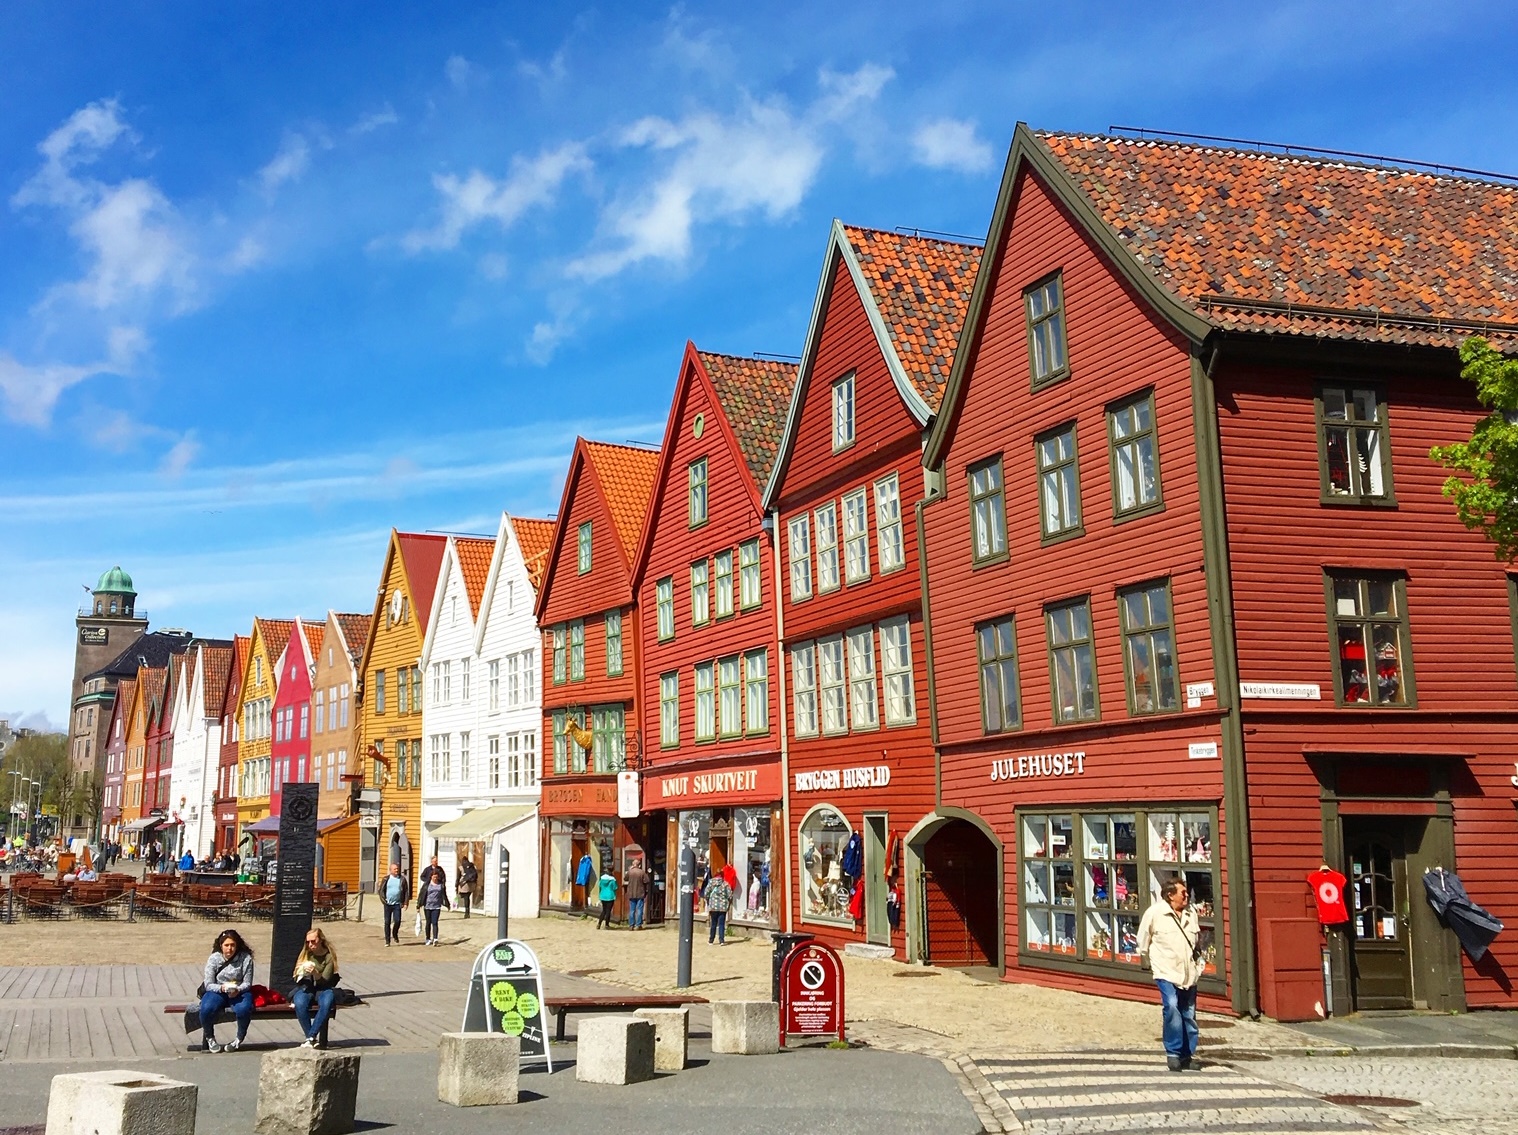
[
  {"x": 1078, "y": 1092},
  {"x": 1453, "y": 1095}
]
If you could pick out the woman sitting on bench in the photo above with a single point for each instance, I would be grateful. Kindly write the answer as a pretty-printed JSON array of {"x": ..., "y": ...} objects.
[
  {"x": 228, "y": 984},
  {"x": 316, "y": 979}
]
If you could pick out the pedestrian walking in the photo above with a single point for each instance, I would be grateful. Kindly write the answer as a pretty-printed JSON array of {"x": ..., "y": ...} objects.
[
  {"x": 719, "y": 897},
  {"x": 1171, "y": 938},
  {"x": 637, "y": 894},
  {"x": 316, "y": 979},
  {"x": 608, "y": 893},
  {"x": 394, "y": 892},
  {"x": 228, "y": 983},
  {"x": 432, "y": 897},
  {"x": 465, "y": 882}
]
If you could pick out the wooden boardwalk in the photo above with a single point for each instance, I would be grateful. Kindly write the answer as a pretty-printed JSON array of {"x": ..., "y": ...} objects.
[{"x": 115, "y": 1012}]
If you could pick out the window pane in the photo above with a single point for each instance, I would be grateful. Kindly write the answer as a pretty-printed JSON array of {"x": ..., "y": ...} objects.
[
  {"x": 862, "y": 678},
  {"x": 1387, "y": 641},
  {"x": 830, "y": 679}
]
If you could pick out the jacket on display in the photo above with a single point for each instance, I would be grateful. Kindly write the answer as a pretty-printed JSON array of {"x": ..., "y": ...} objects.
[
  {"x": 584, "y": 872},
  {"x": 1473, "y": 926},
  {"x": 853, "y": 857}
]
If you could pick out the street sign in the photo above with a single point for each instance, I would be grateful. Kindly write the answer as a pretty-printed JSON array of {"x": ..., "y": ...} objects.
[
  {"x": 628, "y": 802},
  {"x": 811, "y": 992},
  {"x": 506, "y": 995}
]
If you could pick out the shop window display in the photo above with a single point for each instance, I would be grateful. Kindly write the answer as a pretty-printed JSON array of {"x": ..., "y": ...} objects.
[
  {"x": 1087, "y": 878},
  {"x": 741, "y": 838},
  {"x": 825, "y": 884}
]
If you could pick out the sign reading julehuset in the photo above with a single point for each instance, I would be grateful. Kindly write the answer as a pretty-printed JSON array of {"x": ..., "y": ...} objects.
[{"x": 506, "y": 995}]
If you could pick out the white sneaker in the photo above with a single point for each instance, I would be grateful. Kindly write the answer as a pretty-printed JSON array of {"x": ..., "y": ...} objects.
[
  {"x": 212, "y": 1046},
  {"x": 309, "y": 1042},
  {"x": 234, "y": 1044}
]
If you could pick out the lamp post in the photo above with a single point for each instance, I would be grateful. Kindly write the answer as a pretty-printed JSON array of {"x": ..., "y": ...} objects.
[
  {"x": 36, "y": 807},
  {"x": 15, "y": 775}
]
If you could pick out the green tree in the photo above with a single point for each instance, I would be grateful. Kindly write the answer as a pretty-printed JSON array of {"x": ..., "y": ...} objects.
[{"x": 1484, "y": 485}]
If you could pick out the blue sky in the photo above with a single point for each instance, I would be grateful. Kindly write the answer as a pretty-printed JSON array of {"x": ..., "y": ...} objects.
[{"x": 276, "y": 280}]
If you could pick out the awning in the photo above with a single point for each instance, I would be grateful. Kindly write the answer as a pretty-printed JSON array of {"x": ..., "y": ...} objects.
[
  {"x": 143, "y": 824},
  {"x": 482, "y": 822},
  {"x": 269, "y": 825}
]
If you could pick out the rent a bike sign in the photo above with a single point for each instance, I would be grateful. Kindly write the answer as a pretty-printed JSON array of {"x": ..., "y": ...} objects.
[{"x": 811, "y": 992}]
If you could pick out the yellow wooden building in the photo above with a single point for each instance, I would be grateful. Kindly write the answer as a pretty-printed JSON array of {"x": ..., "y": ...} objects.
[{"x": 391, "y": 714}]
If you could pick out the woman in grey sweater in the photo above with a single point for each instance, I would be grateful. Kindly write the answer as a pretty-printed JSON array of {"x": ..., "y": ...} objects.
[{"x": 228, "y": 983}]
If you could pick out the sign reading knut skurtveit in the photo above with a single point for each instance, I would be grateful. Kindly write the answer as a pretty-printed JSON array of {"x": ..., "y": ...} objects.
[
  {"x": 506, "y": 995},
  {"x": 811, "y": 992}
]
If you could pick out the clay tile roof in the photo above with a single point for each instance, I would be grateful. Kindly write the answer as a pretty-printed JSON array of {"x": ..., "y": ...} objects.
[
  {"x": 316, "y": 633},
  {"x": 474, "y": 555},
  {"x": 627, "y": 477},
  {"x": 755, "y": 395},
  {"x": 276, "y": 635},
  {"x": 535, "y": 538},
  {"x": 126, "y": 689},
  {"x": 153, "y": 679},
  {"x": 218, "y": 667},
  {"x": 422, "y": 554},
  {"x": 1295, "y": 244},
  {"x": 355, "y": 630},
  {"x": 922, "y": 287}
]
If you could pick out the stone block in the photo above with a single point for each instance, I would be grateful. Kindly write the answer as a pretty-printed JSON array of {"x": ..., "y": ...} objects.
[
  {"x": 671, "y": 1037},
  {"x": 748, "y": 1028},
  {"x": 475, "y": 1069},
  {"x": 614, "y": 1050},
  {"x": 120, "y": 1102},
  {"x": 865, "y": 950},
  {"x": 305, "y": 1091}
]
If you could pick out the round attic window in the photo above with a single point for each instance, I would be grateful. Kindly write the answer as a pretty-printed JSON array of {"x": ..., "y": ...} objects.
[{"x": 698, "y": 427}]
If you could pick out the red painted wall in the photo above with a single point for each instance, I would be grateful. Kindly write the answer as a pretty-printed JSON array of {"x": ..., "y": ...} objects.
[{"x": 290, "y": 758}]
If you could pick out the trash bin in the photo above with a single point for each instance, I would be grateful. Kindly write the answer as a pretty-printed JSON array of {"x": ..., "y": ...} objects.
[{"x": 784, "y": 944}]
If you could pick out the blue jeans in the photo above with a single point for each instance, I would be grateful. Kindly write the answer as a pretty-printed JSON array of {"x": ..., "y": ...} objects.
[
  {"x": 393, "y": 921},
  {"x": 1179, "y": 1009},
  {"x": 635, "y": 913},
  {"x": 718, "y": 929},
  {"x": 302, "y": 997},
  {"x": 432, "y": 913},
  {"x": 213, "y": 1001}
]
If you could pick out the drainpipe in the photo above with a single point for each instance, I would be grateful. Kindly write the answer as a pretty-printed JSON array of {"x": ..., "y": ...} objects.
[{"x": 785, "y": 748}]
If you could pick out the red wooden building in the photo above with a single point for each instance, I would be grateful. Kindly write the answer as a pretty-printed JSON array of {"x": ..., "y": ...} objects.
[
  {"x": 587, "y": 611},
  {"x": 290, "y": 747},
  {"x": 859, "y": 766},
  {"x": 224, "y": 799},
  {"x": 1185, "y": 546},
  {"x": 704, "y": 578}
]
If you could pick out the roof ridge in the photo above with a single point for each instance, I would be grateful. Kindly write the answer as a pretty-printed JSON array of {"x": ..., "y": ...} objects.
[{"x": 936, "y": 238}]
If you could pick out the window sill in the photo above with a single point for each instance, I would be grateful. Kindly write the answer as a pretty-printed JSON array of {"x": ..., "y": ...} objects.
[
  {"x": 1061, "y": 537},
  {"x": 989, "y": 561},
  {"x": 1054, "y": 379},
  {"x": 1335, "y": 500},
  {"x": 819, "y": 920},
  {"x": 1138, "y": 513},
  {"x": 692, "y": 525}
]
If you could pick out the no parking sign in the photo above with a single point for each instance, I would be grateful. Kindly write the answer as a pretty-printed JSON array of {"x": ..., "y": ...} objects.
[{"x": 811, "y": 992}]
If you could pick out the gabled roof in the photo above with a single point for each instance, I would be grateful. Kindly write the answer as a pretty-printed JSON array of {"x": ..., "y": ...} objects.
[
  {"x": 754, "y": 395},
  {"x": 151, "y": 681},
  {"x": 1302, "y": 245},
  {"x": 916, "y": 292},
  {"x": 626, "y": 477},
  {"x": 354, "y": 630},
  {"x": 242, "y": 647},
  {"x": 126, "y": 693},
  {"x": 217, "y": 663},
  {"x": 421, "y": 559},
  {"x": 276, "y": 636},
  {"x": 474, "y": 554},
  {"x": 535, "y": 538}
]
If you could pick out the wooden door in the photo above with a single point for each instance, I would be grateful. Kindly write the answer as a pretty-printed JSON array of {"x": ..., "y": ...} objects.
[
  {"x": 877, "y": 927},
  {"x": 1375, "y": 855},
  {"x": 960, "y": 896}
]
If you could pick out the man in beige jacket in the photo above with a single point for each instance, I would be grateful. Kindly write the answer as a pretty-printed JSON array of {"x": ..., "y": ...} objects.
[{"x": 1170, "y": 937}]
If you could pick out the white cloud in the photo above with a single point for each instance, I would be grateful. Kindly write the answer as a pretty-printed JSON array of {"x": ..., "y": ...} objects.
[
  {"x": 31, "y": 392},
  {"x": 179, "y": 457},
  {"x": 547, "y": 334},
  {"x": 952, "y": 144},
  {"x": 373, "y": 121},
  {"x": 288, "y": 164},
  {"x": 493, "y": 266},
  {"x": 843, "y": 92},
  {"x": 479, "y": 197},
  {"x": 458, "y": 70}
]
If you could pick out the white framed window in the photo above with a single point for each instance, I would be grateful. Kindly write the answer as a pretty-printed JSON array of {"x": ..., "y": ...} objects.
[
  {"x": 437, "y": 757},
  {"x": 610, "y": 743},
  {"x": 529, "y": 758},
  {"x": 494, "y": 683},
  {"x": 447, "y": 682},
  {"x": 756, "y": 681},
  {"x": 669, "y": 710},
  {"x": 514, "y": 681},
  {"x": 748, "y": 574},
  {"x": 888, "y": 544},
  {"x": 511, "y": 596},
  {"x": 464, "y": 680},
  {"x": 896, "y": 671},
  {"x": 722, "y": 569},
  {"x": 493, "y": 760},
  {"x": 342, "y": 720},
  {"x": 862, "y": 693},
  {"x": 577, "y": 651},
  {"x": 804, "y": 689},
  {"x": 856, "y": 536},
  {"x": 447, "y": 757},
  {"x": 437, "y": 683},
  {"x": 613, "y": 644},
  {"x": 464, "y": 770},
  {"x": 831, "y": 685},
  {"x": 664, "y": 604},
  {"x": 706, "y": 702},
  {"x": 826, "y": 519},
  {"x": 529, "y": 676},
  {"x": 799, "y": 549},
  {"x": 305, "y": 721},
  {"x": 729, "y": 697},
  {"x": 514, "y": 760},
  {"x": 843, "y": 412},
  {"x": 700, "y": 596},
  {"x": 319, "y": 705}
]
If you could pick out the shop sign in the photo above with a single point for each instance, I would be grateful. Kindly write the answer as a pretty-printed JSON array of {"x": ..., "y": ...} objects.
[
  {"x": 1039, "y": 765},
  {"x": 1202, "y": 750},
  {"x": 709, "y": 783},
  {"x": 627, "y": 795},
  {"x": 811, "y": 992},
  {"x": 368, "y": 820},
  {"x": 506, "y": 996},
  {"x": 1282, "y": 691},
  {"x": 834, "y": 779},
  {"x": 576, "y": 795}
]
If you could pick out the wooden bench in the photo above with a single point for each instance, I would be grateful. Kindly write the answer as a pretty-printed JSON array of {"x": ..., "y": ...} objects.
[
  {"x": 561, "y": 1007},
  {"x": 285, "y": 1011}
]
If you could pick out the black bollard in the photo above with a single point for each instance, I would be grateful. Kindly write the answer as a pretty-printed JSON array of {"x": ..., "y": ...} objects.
[
  {"x": 687, "y": 911},
  {"x": 503, "y": 895}
]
